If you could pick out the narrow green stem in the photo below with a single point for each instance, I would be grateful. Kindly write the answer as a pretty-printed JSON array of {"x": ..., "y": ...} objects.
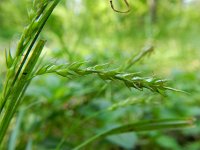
[
  {"x": 19, "y": 90},
  {"x": 43, "y": 22},
  {"x": 22, "y": 76},
  {"x": 137, "y": 58}
]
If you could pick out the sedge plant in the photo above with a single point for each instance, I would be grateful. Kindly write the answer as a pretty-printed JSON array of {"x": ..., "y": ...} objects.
[{"x": 23, "y": 67}]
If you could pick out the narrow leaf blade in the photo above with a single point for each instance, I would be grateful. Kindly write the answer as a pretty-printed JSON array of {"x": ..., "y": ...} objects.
[{"x": 162, "y": 124}]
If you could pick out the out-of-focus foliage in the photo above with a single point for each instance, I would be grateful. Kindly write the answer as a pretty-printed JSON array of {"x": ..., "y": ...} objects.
[{"x": 58, "y": 110}]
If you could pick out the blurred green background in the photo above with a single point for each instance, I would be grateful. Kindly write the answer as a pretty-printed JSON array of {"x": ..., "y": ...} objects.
[{"x": 54, "y": 108}]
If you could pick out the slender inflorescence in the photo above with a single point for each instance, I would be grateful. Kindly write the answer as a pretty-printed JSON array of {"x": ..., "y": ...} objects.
[{"x": 131, "y": 80}]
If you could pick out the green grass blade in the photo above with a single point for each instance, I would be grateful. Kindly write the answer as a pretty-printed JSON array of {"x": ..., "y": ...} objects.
[
  {"x": 162, "y": 124},
  {"x": 15, "y": 132},
  {"x": 27, "y": 53},
  {"x": 29, "y": 144},
  {"x": 19, "y": 89}
]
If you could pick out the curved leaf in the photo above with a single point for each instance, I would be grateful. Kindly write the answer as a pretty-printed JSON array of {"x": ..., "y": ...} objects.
[{"x": 162, "y": 124}]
